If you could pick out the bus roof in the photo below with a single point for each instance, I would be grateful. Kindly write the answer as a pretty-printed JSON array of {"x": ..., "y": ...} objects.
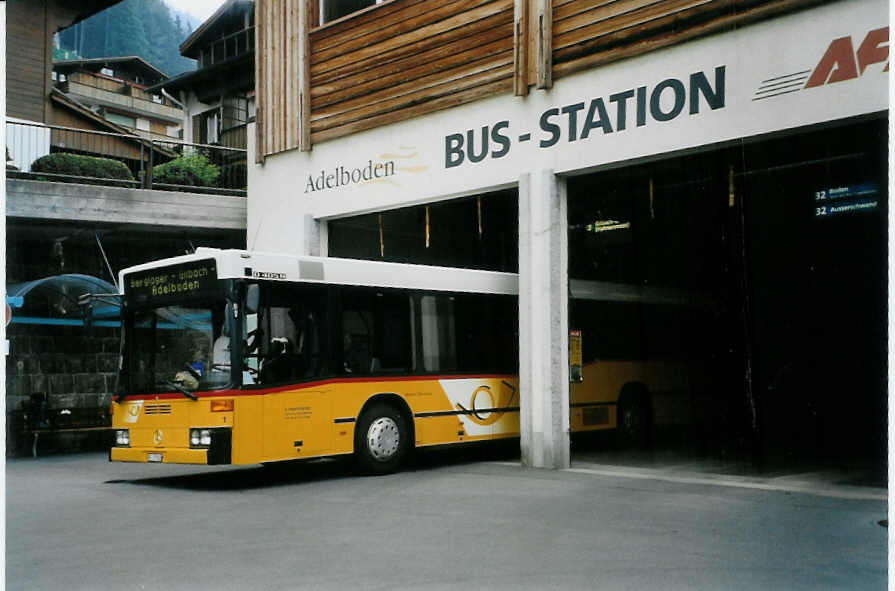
[{"x": 243, "y": 264}]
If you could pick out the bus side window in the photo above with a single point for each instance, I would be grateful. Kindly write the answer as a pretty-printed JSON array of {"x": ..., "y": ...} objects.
[
  {"x": 278, "y": 361},
  {"x": 376, "y": 334},
  {"x": 291, "y": 321},
  {"x": 439, "y": 341},
  {"x": 357, "y": 330},
  {"x": 393, "y": 344}
]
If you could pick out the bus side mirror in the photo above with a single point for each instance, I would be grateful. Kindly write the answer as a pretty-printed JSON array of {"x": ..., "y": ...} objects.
[{"x": 252, "y": 298}]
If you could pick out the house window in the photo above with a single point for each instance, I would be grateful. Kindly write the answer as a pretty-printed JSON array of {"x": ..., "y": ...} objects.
[
  {"x": 122, "y": 120},
  {"x": 142, "y": 124},
  {"x": 212, "y": 128},
  {"x": 235, "y": 111},
  {"x": 330, "y": 10},
  {"x": 207, "y": 127}
]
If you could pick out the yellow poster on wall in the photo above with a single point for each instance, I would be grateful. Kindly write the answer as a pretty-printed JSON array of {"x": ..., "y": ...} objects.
[{"x": 575, "y": 374}]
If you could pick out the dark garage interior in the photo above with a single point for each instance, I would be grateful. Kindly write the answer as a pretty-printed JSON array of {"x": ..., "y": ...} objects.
[{"x": 769, "y": 259}]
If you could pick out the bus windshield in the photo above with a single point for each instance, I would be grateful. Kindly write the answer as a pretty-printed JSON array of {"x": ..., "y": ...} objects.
[{"x": 180, "y": 347}]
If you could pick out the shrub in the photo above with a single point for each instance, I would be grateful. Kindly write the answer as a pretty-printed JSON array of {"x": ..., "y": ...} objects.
[
  {"x": 190, "y": 169},
  {"x": 85, "y": 166}
]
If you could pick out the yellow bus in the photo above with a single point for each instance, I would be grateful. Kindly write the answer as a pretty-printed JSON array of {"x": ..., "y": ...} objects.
[
  {"x": 231, "y": 357},
  {"x": 645, "y": 355},
  {"x": 235, "y": 357}
]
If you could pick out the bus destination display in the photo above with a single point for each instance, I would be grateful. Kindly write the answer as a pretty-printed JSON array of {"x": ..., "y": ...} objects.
[{"x": 172, "y": 282}]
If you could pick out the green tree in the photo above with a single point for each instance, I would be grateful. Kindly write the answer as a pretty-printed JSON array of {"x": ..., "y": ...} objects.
[
  {"x": 146, "y": 28},
  {"x": 128, "y": 36}
]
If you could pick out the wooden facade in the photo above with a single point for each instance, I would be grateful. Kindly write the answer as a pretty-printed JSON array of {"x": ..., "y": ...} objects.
[
  {"x": 277, "y": 75},
  {"x": 589, "y": 33},
  {"x": 77, "y": 138},
  {"x": 28, "y": 60},
  {"x": 405, "y": 58},
  {"x": 30, "y": 26},
  {"x": 425, "y": 56}
]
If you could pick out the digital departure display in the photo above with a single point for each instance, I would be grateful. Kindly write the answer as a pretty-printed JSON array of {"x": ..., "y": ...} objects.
[{"x": 171, "y": 283}]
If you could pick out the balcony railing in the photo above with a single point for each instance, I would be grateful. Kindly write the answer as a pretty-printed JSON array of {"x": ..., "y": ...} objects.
[
  {"x": 228, "y": 47},
  {"x": 135, "y": 101},
  {"x": 198, "y": 168},
  {"x": 116, "y": 86}
]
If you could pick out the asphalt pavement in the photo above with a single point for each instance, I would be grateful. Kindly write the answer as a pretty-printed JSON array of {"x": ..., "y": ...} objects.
[{"x": 448, "y": 522}]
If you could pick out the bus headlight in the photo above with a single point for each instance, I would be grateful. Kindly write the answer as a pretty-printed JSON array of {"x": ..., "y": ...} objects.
[
  {"x": 217, "y": 441},
  {"x": 122, "y": 438},
  {"x": 200, "y": 437}
]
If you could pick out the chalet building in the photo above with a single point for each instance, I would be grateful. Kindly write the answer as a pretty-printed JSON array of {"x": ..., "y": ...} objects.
[
  {"x": 716, "y": 171},
  {"x": 219, "y": 96},
  {"x": 115, "y": 89},
  {"x": 61, "y": 222}
]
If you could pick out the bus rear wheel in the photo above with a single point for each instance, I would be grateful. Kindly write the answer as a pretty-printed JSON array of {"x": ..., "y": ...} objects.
[
  {"x": 634, "y": 425},
  {"x": 381, "y": 439}
]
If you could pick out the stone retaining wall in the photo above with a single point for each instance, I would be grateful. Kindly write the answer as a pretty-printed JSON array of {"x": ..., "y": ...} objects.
[{"x": 76, "y": 367}]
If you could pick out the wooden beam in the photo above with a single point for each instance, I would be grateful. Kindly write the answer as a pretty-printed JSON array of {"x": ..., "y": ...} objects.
[
  {"x": 374, "y": 79},
  {"x": 260, "y": 90},
  {"x": 314, "y": 12},
  {"x": 544, "y": 43},
  {"x": 520, "y": 47},
  {"x": 305, "y": 22},
  {"x": 406, "y": 35},
  {"x": 723, "y": 22},
  {"x": 636, "y": 16},
  {"x": 391, "y": 10},
  {"x": 279, "y": 72},
  {"x": 420, "y": 92},
  {"x": 428, "y": 50},
  {"x": 358, "y": 27},
  {"x": 451, "y": 99}
]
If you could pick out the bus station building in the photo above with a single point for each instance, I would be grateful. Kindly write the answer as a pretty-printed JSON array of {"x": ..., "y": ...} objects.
[{"x": 731, "y": 153}]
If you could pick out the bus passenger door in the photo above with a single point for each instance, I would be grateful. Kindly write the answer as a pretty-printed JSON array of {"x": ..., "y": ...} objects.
[
  {"x": 297, "y": 424},
  {"x": 297, "y": 418}
]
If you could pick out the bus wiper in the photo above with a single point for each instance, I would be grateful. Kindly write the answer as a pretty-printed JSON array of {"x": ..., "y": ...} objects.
[{"x": 180, "y": 389}]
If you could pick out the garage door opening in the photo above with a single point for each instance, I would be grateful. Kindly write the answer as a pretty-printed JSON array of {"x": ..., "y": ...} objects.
[{"x": 731, "y": 304}]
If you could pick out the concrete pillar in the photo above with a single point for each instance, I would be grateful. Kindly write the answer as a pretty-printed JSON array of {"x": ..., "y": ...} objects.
[
  {"x": 187, "y": 118},
  {"x": 316, "y": 237},
  {"x": 543, "y": 320}
]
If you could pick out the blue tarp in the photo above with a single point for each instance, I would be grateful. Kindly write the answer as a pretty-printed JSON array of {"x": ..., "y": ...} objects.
[{"x": 54, "y": 301}]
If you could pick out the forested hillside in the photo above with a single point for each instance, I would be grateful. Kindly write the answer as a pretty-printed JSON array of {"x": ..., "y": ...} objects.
[{"x": 147, "y": 28}]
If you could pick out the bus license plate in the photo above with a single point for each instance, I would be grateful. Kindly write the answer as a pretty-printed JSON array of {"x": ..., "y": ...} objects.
[{"x": 154, "y": 457}]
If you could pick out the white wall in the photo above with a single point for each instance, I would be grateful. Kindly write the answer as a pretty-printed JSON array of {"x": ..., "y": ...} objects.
[
  {"x": 26, "y": 141},
  {"x": 275, "y": 218},
  {"x": 192, "y": 106}
]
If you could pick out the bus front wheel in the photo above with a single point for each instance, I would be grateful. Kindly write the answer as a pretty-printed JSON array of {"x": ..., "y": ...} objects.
[{"x": 381, "y": 439}]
